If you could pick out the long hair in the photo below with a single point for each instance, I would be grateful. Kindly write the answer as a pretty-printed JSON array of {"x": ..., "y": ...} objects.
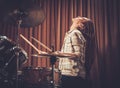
[
  {"x": 89, "y": 34},
  {"x": 86, "y": 27}
]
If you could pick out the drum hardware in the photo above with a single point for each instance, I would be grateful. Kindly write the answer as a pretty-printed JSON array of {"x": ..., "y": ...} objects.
[
  {"x": 19, "y": 22},
  {"x": 4, "y": 38},
  {"x": 52, "y": 55},
  {"x": 27, "y": 17},
  {"x": 8, "y": 62},
  {"x": 3, "y": 71},
  {"x": 52, "y": 58},
  {"x": 41, "y": 76},
  {"x": 35, "y": 75},
  {"x": 21, "y": 17}
]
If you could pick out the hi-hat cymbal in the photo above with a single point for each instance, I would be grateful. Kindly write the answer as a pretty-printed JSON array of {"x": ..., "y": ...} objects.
[{"x": 57, "y": 55}]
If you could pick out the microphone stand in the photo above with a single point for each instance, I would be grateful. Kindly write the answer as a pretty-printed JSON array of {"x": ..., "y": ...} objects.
[
  {"x": 19, "y": 14},
  {"x": 52, "y": 61},
  {"x": 17, "y": 51}
]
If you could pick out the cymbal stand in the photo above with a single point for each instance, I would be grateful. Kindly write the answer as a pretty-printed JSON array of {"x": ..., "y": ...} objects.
[
  {"x": 19, "y": 14},
  {"x": 19, "y": 21},
  {"x": 17, "y": 52},
  {"x": 52, "y": 61}
]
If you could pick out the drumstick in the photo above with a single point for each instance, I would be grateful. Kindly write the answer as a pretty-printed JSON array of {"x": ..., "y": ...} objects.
[
  {"x": 30, "y": 43},
  {"x": 42, "y": 44}
]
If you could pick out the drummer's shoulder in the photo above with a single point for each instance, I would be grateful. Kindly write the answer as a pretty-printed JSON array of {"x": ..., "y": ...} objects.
[{"x": 75, "y": 32}]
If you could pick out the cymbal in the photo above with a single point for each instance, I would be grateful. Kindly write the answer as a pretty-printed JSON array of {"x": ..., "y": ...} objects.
[
  {"x": 30, "y": 14},
  {"x": 57, "y": 55},
  {"x": 34, "y": 18},
  {"x": 30, "y": 18}
]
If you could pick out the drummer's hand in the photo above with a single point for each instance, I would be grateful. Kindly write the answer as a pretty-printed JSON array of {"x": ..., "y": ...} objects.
[
  {"x": 56, "y": 52},
  {"x": 73, "y": 57},
  {"x": 42, "y": 52}
]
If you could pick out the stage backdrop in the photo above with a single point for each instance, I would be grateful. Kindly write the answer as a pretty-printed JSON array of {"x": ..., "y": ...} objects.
[{"x": 56, "y": 21}]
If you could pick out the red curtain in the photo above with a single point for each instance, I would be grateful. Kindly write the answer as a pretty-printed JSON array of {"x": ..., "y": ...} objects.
[{"x": 58, "y": 14}]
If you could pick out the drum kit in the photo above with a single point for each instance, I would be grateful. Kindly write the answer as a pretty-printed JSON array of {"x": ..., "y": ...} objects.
[
  {"x": 9, "y": 72},
  {"x": 39, "y": 76},
  {"x": 49, "y": 76},
  {"x": 12, "y": 56}
]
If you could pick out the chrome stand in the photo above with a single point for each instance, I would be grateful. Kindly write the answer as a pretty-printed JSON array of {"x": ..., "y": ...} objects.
[{"x": 52, "y": 61}]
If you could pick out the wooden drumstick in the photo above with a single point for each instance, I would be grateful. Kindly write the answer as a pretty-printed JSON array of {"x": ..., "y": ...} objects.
[
  {"x": 42, "y": 44},
  {"x": 39, "y": 51}
]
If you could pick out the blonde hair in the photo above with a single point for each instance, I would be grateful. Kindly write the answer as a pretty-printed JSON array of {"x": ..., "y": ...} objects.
[
  {"x": 85, "y": 25},
  {"x": 80, "y": 21}
]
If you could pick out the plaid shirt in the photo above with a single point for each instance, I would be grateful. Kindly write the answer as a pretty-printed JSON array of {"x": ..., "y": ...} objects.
[{"x": 74, "y": 42}]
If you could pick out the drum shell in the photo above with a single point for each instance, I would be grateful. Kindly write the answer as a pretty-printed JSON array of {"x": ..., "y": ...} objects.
[
  {"x": 40, "y": 76},
  {"x": 35, "y": 75}
]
